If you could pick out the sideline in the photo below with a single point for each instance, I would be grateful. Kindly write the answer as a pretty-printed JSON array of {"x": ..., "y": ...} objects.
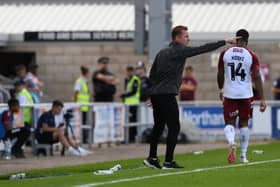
[{"x": 176, "y": 173}]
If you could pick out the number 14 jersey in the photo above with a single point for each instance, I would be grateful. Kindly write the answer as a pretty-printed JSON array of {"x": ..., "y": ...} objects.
[{"x": 238, "y": 64}]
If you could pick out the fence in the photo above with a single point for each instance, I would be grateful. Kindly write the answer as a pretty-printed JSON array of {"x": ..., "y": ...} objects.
[{"x": 200, "y": 121}]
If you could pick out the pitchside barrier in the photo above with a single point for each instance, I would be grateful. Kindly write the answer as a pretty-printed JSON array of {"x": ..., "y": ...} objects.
[{"x": 200, "y": 121}]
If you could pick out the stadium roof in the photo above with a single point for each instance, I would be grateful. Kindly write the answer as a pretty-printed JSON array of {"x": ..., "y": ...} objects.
[{"x": 203, "y": 16}]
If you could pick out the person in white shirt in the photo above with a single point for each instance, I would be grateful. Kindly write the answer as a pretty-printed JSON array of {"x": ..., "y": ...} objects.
[{"x": 238, "y": 67}]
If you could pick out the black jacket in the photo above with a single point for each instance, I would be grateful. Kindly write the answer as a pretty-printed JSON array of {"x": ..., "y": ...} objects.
[
  {"x": 103, "y": 92},
  {"x": 167, "y": 69}
]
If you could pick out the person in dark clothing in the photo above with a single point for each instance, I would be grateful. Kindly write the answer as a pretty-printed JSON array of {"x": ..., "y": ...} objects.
[
  {"x": 145, "y": 83},
  {"x": 14, "y": 128},
  {"x": 165, "y": 79},
  {"x": 132, "y": 97},
  {"x": 47, "y": 132},
  {"x": 276, "y": 89},
  {"x": 104, "y": 82}
]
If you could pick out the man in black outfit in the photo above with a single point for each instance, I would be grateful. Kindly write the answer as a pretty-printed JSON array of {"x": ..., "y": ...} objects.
[
  {"x": 165, "y": 79},
  {"x": 104, "y": 82}
]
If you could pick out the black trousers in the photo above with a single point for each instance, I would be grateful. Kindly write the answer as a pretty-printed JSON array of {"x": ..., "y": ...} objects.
[
  {"x": 166, "y": 112},
  {"x": 21, "y": 134},
  {"x": 85, "y": 131},
  {"x": 132, "y": 118}
]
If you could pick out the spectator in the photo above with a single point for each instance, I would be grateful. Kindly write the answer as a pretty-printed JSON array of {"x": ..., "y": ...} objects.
[
  {"x": 276, "y": 89},
  {"x": 104, "y": 82},
  {"x": 21, "y": 75},
  {"x": 47, "y": 132},
  {"x": 132, "y": 96},
  {"x": 82, "y": 96},
  {"x": 188, "y": 85},
  {"x": 24, "y": 97},
  {"x": 14, "y": 128},
  {"x": 4, "y": 95},
  {"x": 145, "y": 84},
  {"x": 35, "y": 85}
]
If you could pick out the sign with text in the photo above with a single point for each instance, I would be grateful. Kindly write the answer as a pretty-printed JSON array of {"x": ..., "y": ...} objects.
[
  {"x": 109, "y": 122},
  {"x": 204, "y": 117},
  {"x": 62, "y": 36}
]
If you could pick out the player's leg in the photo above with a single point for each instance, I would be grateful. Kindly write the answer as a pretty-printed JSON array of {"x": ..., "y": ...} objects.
[
  {"x": 230, "y": 114},
  {"x": 159, "y": 124},
  {"x": 245, "y": 113}
]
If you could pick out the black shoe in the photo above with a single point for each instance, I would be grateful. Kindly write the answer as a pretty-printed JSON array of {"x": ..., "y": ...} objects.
[
  {"x": 152, "y": 163},
  {"x": 171, "y": 165}
]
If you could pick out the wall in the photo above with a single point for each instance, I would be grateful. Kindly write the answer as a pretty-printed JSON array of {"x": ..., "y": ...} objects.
[{"x": 59, "y": 63}]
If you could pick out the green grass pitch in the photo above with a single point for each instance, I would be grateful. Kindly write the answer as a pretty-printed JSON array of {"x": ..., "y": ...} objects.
[{"x": 209, "y": 169}]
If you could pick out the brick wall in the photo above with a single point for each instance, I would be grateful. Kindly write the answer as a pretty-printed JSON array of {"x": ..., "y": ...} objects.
[{"x": 59, "y": 63}]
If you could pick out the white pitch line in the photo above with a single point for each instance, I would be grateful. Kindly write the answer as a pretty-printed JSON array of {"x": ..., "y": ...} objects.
[{"x": 176, "y": 173}]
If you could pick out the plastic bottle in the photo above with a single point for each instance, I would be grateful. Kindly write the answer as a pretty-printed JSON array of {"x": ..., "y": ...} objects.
[
  {"x": 116, "y": 168},
  {"x": 18, "y": 176},
  {"x": 258, "y": 152},
  {"x": 8, "y": 149},
  {"x": 104, "y": 172},
  {"x": 198, "y": 152}
]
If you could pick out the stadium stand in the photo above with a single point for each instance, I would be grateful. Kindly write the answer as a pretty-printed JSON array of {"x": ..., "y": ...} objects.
[{"x": 202, "y": 16}]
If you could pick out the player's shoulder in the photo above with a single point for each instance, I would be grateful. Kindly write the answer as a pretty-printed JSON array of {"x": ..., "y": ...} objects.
[
  {"x": 227, "y": 49},
  {"x": 252, "y": 53}
]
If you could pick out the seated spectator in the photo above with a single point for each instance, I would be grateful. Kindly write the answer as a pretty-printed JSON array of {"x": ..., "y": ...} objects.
[
  {"x": 14, "y": 128},
  {"x": 47, "y": 132}
]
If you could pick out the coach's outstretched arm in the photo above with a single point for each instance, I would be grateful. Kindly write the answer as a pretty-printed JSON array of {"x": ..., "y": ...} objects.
[{"x": 193, "y": 51}]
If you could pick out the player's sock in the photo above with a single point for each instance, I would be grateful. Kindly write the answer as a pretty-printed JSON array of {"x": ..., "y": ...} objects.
[
  {"x": 230, "y": 134},
  {"x": 244, "y": 139}
]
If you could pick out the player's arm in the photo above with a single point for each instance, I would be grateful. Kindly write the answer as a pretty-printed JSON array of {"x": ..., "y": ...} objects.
[
  {"x": 220, "y": 74},
  {"x": 256, "y": 76}
]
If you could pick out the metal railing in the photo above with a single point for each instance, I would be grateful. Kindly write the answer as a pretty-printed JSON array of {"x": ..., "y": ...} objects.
[{"x": 109, "y": 122}]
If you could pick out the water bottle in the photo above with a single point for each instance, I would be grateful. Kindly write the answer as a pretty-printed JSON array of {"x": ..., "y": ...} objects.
[
  {"x": 198, "y": 152},
  {"x": 104, "y": 172},
  {"x": 8, "y": 149},
  {"x": 258, "y": 152},
  {"x": 18, "y": 176},
  {"x": 116, "y": 168}
]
